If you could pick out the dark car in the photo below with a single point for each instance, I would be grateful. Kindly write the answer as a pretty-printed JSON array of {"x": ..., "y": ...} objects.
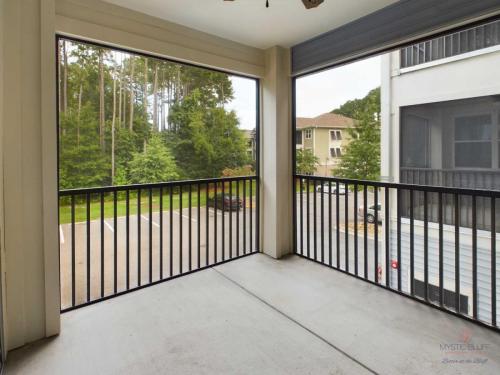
[{"x": 226, "y": 202}]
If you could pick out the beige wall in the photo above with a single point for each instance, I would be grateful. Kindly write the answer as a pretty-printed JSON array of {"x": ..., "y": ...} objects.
[{"x": 29, "y": 234}]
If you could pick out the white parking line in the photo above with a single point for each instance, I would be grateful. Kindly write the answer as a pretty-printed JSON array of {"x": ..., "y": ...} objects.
[
  {"x": 61, "y": 234},
  {"x": 147, "y": 219},
  {"x": 109, "y": 226},
  {"x": 185, "y": 216}
]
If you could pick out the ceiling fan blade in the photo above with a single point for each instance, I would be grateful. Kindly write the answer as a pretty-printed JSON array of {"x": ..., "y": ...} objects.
[{"x": 309, "y": 4}]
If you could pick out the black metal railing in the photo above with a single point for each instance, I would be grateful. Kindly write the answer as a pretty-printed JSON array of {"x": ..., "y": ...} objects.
[
  {"x": 117, "y": 239},
  {"x": 472, "y": 39},
  {"x": 371, "y": 230}
]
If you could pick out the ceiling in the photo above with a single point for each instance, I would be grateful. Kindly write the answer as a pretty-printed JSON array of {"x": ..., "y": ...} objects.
[{"x": 284, "y": 23}]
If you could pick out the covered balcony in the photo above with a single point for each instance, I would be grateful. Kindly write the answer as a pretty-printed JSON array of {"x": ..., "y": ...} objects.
[{"x": 273, "y": 269}]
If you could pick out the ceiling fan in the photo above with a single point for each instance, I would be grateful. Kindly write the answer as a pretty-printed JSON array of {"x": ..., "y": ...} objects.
[{"x": 307, "y": 3}]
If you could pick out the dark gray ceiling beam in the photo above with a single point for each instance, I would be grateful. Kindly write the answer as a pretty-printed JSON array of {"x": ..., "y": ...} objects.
[{"x": 401, "y": 22}]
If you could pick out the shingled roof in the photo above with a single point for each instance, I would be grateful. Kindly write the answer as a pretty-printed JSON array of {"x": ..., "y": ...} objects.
[{"x": 326, "y": 120}]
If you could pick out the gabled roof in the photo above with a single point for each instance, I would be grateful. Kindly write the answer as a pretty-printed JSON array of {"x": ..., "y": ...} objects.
[{"x": 326, "y": 120}]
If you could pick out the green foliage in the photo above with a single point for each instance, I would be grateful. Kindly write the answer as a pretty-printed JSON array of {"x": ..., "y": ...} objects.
[
  {"x": 306, "y": 162},
  {"x": 155, "y": 164},
  {"x": 101, "y": 89},
  {"x": 205, "y": 139},
  {"x": 361, "y": 159}
]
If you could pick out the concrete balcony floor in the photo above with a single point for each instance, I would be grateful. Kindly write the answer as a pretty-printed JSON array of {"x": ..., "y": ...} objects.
[{"x": 257, "y": 315}]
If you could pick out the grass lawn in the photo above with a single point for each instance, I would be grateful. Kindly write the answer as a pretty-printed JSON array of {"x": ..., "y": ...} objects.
[{"x": 121, "y": 206}]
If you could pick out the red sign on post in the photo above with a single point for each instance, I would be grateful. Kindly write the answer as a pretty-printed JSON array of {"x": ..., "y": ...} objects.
[{"x": 394, "y": 264}]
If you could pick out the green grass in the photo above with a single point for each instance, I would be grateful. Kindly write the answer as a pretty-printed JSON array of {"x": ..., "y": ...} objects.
[{"x": 121, "y": 206}]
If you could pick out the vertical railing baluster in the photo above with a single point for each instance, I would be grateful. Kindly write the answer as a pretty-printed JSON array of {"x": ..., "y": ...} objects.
[
  {"x": 150, "y": 236},
  {"x": 375, "y": 197},
  {"x": 398, "y": 230},
  {"x": 315, "y": 229},
  {"x": 457, "y": 252},
  {"x": 161, "y": 232},
  {"x": 181, "y": 252},
  {"x": 102, "y": 243},
  {"x": 238, "y": 200},
  {"x": 190, "y": 240},
  {"x": 322, "y": 222},
  {"x": 441, "y": 250},
  {"x": 251, "y": 216},
  {"x": 115, "y": 241},
  {"x": 412, "y": 245},
  {"x": 474, "y": 258},
  {"x": 426, "y": 247},
  {"x": 301, "y": 205},
  {"x": 207, "y": 224},
  {"x": 138, "y": 237},
  {"x": 88, "y": 245},
  {"x": 330, "y": 228},
  {"x": 171, "y": 231},
  {"x": 337, "y": 221},
  {"x": 73, "y": 251},
  {"x": 127, "y": 238},
  {"x": 346, "y": 226},
  {"x": 230, "y": 219},
  {"x": 365, "y": 231},
  {"x": 215, "y": 221},
  {"x": 308, "y": 214},
  {"x": 244, "y": 216},
  {"x": 355, "y": 217},
  {"x": 198, "y": 225},
  {"x": 223, "y": 226},
  {"x": 387, "y": 221},
  {"x": 493, "y": 263}
]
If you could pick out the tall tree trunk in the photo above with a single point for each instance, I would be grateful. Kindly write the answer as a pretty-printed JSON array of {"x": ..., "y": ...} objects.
[
  {"x": 65, "y": 78},
  {"x": 80, "y": 93},
  {"x": 120, "y": 92},
  {"x": 101, "y": 99},
  {"x": 132, "y": 98},
  {"x": 113, "y": 121},
  {"x": 155, "y": 99},
  {"x": 145, "y": 89}
]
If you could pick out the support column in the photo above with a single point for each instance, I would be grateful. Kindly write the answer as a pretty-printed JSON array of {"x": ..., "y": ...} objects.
[
  {"x": 29, "y": 174},
  {"x": 276, "y": 155}
]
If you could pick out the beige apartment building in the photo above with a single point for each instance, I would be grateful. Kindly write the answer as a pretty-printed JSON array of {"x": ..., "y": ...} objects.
[{"x": 327, "y": 136}]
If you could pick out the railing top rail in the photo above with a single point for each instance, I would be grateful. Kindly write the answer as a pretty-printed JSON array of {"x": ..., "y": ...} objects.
[
  {"x": 156, "y": 185},
  {"x": 394, "y": 185}
]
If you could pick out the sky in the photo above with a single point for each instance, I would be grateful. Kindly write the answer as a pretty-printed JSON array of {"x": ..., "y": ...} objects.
[
  {"x": 316, "y": 94},
  {"x": 324, "y": 91}
]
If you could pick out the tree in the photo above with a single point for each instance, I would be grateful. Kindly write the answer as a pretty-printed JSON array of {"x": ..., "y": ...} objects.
[
  {"x": 155, "y": 164},
  {"x": 205, "y": 139},
  {"x": 306, "y": 162},
  {"x": 361, "y": 159}
]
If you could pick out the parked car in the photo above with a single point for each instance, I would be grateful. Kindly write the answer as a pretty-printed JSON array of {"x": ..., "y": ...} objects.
[
  {"x": 370, "y": 213},
  {"x": 326, "y": 189},
  {"x": 226, "y": 202}
]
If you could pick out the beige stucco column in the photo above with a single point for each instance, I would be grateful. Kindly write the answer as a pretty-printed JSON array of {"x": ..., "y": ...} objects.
[
  {"x": 276, "y": 155},
  {"x": 30, "y": 275}
]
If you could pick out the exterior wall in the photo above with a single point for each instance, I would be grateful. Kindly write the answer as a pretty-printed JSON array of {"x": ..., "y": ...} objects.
[
  {"x": 321, "y": 147},
  {"x": 448, "y": 79}
]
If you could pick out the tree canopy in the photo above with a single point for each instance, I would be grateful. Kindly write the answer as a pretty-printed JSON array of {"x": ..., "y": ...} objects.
[
  {"x": 126, "y": 118},
  {"x": 361, "y": 159}
]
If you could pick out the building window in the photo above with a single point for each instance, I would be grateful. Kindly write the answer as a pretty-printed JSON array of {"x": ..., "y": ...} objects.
[
  {"x": 308, "y": 133},
  {"x": 335, "y": 135},
  {"x": 335, "y": 152},
  {"x": 473, "y": 136},
  {"x": 298, "y": 137}
]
